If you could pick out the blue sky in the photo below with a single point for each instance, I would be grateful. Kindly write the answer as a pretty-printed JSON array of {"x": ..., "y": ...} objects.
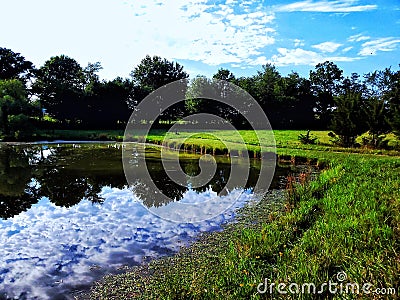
[{"x": 203, "y": 35}]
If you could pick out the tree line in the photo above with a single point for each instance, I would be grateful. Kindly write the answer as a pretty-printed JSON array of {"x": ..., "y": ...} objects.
[{"x": 62, "y": 94}]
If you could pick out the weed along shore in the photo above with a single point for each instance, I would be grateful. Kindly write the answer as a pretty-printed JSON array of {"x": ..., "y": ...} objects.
[{"x": 331, "y": 235}]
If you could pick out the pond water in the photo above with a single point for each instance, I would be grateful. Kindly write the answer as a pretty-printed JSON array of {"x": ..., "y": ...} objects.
[{"x": 68, "y": 216}]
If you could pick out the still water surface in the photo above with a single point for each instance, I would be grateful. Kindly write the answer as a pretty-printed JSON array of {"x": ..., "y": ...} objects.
[{"x": 68, "y": 217}]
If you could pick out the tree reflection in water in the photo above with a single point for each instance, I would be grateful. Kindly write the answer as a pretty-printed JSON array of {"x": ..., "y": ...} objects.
[{"x": 66, "y": 175}]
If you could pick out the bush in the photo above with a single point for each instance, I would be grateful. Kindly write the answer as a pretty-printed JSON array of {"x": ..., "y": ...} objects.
[{"x": 307, "y": 138}]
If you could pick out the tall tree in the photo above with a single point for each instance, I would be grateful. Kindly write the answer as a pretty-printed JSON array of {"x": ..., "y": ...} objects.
[
  {"x": 194, "y": 103},
  {"x": 153, "y": 73},
  {"x": 325, "y": 84},
  {"x": 107, "y": 104},
  {"x": 14, "y": 106},
  {"x": 59, "y": 85},
  {"x": 296, "y": 102},
  {"x": 383, "y": 102},
  {"x": 14, "y": 66},
  {"x": 348, "y": 118},
  {"x": 225, "y": 74},
  {"x": 91, "y": 77}
]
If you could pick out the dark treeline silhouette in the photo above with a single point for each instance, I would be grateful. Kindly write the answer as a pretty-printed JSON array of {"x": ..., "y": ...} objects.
[{"x": 61, "y": 94}]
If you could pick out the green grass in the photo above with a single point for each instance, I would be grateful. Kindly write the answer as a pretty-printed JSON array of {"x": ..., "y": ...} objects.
[
  {"x": 221, "y": 142},
  {"x": 79, "y": 135},
  {"x": 346, "y": 220},
  {"x": 210, "y": 142}
]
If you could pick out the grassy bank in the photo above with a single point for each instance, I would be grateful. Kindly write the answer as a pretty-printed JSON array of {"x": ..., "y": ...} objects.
[
  {"x": 209, "y": 142},
  {"x": 345, "y": 220},
  {"x": 78, "y": 135}
]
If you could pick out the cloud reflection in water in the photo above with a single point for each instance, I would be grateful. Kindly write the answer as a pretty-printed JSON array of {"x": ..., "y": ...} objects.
[{"x": 49, "y": 250}]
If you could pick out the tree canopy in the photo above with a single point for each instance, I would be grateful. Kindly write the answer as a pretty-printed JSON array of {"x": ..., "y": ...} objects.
[
  {"x": 76, "y": 97},
  {"x": 14, "y": 66}
]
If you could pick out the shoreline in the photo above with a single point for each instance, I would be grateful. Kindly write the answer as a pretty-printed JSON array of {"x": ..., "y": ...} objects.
[
  {"x": 299, "y": 239},
  {"x": 252, "y": 214}
]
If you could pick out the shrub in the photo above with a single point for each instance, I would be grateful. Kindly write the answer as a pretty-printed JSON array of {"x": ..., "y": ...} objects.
[{"x": 307, "y": 138}]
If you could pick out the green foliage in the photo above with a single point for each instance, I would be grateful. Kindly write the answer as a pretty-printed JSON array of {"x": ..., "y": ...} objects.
[
  {"x": 14, "y": 66},
  {"x": 307, "y": 138},
  {"x": 348, "y": 118},
  {"x": 59, "y": 85},
  {"x": 14, "y": 108},
  {"x": 325, "y": 85},
  {"x": 154, "y": 72},
  {"x": 77, "y": 98}
]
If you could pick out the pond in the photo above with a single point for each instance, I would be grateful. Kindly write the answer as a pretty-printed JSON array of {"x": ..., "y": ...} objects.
[{"x": 68, "y": 216}]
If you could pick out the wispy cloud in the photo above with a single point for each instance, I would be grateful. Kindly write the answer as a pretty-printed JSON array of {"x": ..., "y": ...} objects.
[
  {"x": 202, "y": 31},
  {"x": 347, "y": 49},
  {"x": 381, "y": 44},
  {"x": 298, "y": 56},
  {"x": 327, "y": 47},
  {"x": 358, "y": 38},
  {"x": 298, "y": 43},
  {"x": 343, "y": 6}
]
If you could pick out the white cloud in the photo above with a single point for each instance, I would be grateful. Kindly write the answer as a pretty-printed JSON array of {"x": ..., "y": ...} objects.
[
  {"x": 358, "y": 38},
  {"x": 120, "y": 33},
  {"x": 211, "y": 33},
  {"x": 298, "y": 43},
  {"x": 340, "y": 6},
  {"x": 382, "y": 44},
  {"x": 347, "y": 49},
  {"x": 300, "y": 56},
  {"x": 49, "y": 244},
  {"x": 327, "y": 47}
]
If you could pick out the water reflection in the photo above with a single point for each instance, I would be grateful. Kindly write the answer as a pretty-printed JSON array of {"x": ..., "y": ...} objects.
[
  {"x": 67, "y": 215},
  {"x": 66, "y": 175}
]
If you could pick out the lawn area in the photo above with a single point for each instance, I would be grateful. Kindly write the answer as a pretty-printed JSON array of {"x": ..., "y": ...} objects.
[
  {"x": 344, "y": 221},
  {"x": 211, "y": 142},
  {"x": 219, "y": 142},
  {"x": 79, "y": 135}
]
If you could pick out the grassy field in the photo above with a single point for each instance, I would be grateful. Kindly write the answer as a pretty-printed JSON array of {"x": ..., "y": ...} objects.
[
  {"x": 345, "y": 221},
  {"x": 209, "y": 141},
  {"x": 79, "y": 135}
]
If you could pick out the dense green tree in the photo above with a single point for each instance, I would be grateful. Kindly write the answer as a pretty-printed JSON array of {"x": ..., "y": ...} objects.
[
  {"x": 382, "y": 92},
  {"x": 266, "y": 92},
  {"x": 153, "y": 73},
  {"x": 392, "y": 98},
  {"x": 348, "y": 118},
  {"x": 91, "y": 77},
  {"x": 60, "y": 85},
  {"x": 14, "y": 66},
  {"x": 106, "y": 106},
  {"x": 248, "y": 84},
  {"x": 265, "y": 83},
  {"x": 14, "y": 107},
  {"x": 295, "y": 102},
  {"x": 325, "y": 84},
  {"x": 225, "y": 74},
  {"x": 376, "y": 114}
]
